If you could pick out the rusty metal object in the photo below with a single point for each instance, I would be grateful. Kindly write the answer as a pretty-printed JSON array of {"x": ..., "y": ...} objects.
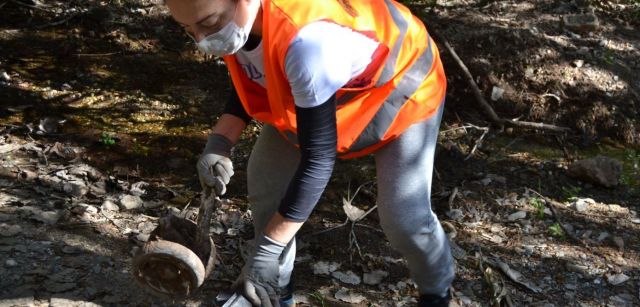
[{"x": 179, "y": 255}]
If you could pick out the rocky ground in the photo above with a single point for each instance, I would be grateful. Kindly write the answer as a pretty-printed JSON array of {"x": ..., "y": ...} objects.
[{"x": 104, "y": 107}]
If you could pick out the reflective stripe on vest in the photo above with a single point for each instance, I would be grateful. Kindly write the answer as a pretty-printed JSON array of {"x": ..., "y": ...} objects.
[
  {"x": 409, "y": 84},
  {"x": 388, "y": 71}
]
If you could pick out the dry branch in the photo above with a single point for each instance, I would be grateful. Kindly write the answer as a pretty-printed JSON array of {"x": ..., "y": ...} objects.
[{"x": 485, "y": 106}]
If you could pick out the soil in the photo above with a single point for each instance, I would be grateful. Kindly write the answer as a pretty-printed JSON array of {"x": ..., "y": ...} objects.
[{"x": 104, "y": 99}]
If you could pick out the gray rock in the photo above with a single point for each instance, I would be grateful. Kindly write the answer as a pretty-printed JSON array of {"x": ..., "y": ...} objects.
[
  {"x": 108, "y": 205},
  {"x": 138, "y": 188},
  {"x": 517, "y": 216},
  {"x": 582, "y": 204},
  {"x": 347, "y": 278},
  {"x": 47, "y": 217},
  {"x": 578, "y": 63},
  {"x": 76, "y": 188},
  {"x": 375, "y": 277},
  {"x": 600, "y": 170},
  {"x": 9, "y": 230},
  {"x": 455, "y": 214},
  {"x": 616, "y": 279},
  {"x": 11, "y": 263},
  {"x": 583, "y": 50},
  {"x": 130, "y": 202},
  {"x": 581, "y": 22},
  {"x": 153, "y": 204},
  {"x": 5, "y": 217},
  {"x": 603, "y": 235}
]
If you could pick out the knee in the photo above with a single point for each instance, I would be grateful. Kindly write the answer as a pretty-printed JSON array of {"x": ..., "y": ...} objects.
[{"x": 402, "y": 228}]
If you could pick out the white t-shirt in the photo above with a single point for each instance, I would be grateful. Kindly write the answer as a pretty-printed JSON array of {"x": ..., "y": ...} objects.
[{"x": 323, "y": 58}]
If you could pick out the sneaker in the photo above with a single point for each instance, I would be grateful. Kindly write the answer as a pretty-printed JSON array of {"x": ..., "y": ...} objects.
[
  {"x": 286, "y": 295},
  {"x": 431, "y": 300},
  {"x": 287, "y": 302}
]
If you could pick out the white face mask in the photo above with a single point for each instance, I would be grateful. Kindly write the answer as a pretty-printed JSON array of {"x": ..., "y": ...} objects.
[
  {"x": 231, "y": 37},
  {"x": 226, "y": 41}
]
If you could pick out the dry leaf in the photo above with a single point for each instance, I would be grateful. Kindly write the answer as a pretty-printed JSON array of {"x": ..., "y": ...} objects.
[
  {"x": 346, "y": 296},
  {"x": 353, "y": 212}
]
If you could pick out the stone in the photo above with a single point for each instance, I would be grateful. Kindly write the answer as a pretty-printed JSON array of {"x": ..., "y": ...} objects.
[
  {"x": 375, "y": 277},
  {"x": 10, "y": 263},
  {"x": 130, "y": 202},
  {"x": 346, "y": 296},
  {"x": 616, "y": 279},
  {"x": 153, "y": 204},
  {"x": 5, "y": 217},
  {"x": 347, "y": 277},
  {"x": 603, "y": 235},
  {"x": 581, "y": 22},
  {"x": 9, "y": 230},
  {"x": 76, "y": 188},
  {"x": 47, "y": 217},
  {"x": 517, "y": 216},
  {"x": 324, "y": 268},
  {"x": 578, "y": 63},
  {"x": 138, "y": 188},
  {"x": 600, "y": 170},
  {"x": 5, "y": 76},
  {"x": 619, "y": 242},
  {"x": 496, "y": 93},
  {"x": 583, "y": 50},
  {"x": 582, "y": 204},
  {"x": 108, "y": 205},
  {"x": 455, "y": 214}
]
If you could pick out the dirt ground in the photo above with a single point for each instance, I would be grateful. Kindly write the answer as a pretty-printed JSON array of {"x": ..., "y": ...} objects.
[{"x": 105, "y": 105}]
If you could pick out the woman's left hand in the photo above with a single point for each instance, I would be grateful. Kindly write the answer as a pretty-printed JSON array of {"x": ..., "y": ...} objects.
[{"x": 260, "y": 285}]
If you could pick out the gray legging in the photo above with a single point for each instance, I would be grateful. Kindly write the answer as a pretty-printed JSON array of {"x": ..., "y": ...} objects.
[{"x": 403, "y": 168}]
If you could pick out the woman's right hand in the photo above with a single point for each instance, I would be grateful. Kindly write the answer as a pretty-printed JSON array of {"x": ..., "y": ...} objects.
[{"x": 214, "y": 166}]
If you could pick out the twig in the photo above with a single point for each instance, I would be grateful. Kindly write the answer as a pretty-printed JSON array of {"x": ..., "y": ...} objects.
[
  {"x": 56, "y": 23},
  {"x": 478, "y": 143},
  {"x": 30, "y": 6},
  {"x": 458, "y": 128},
  {"x": 556, "y": 97},
  {"x": 452, "y": 197},
  {"x": 549, "y": 203},
  {"x": 467, "y": 74},
  {"x": 365, "y": 214},
  {"x": 370, "y": 228},
  {"x": 96, "y": 54},
  {"x": 537, "y": 126},
  {"x": 328, "y": 229},
  {"x": 484, "y": 105}
]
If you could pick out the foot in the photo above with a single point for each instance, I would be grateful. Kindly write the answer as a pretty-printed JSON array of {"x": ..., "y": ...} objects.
[{"x": 431, "y": 300}]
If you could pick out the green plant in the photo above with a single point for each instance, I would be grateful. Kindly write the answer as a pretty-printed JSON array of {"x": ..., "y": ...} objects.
[
  {"x": 106, "y": 139},
  {"x": 538, "y": 205},
  {"x": 608, "y": 57},
  {"x": 140, "y": 149},
  {"x": 571, "y": 192},
  {"x": 556, "y": 231},
  {"x": 319, "y": 298}
]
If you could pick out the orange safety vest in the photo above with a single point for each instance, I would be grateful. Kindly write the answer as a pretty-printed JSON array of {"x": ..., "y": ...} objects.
[{"x": 405, "y": 83}]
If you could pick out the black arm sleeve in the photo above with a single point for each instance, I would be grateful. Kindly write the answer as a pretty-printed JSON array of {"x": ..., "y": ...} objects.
[
  {"x": 318, "y": 138},
  {"x": 234, "y": 107}
]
